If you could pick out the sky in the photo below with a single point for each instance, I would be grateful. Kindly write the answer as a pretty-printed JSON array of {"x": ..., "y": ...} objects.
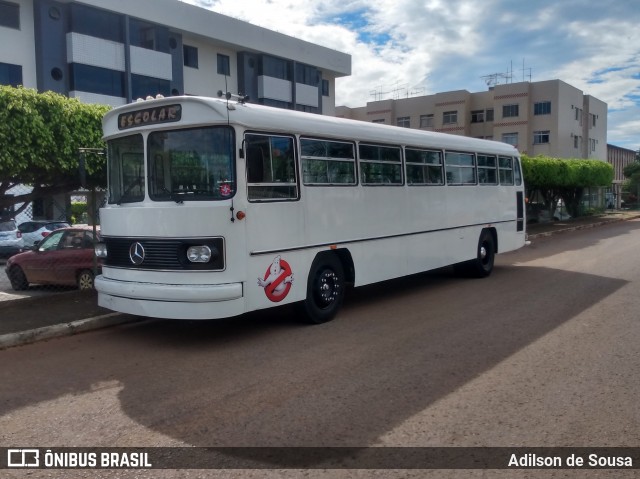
[{"x": 402, "y": 48}]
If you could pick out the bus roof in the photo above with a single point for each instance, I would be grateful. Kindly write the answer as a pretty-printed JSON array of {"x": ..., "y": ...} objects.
[{"x": 278, "y": 120}]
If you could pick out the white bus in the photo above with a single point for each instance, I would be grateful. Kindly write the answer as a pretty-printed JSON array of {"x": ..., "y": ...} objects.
[{"x": 217, "y": 207}]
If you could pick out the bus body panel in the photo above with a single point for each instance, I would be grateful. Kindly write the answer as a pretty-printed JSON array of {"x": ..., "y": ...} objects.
[{"x": 387, "y": 231}]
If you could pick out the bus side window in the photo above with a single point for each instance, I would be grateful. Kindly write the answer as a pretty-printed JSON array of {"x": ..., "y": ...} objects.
[
  {"x": 271, "y": 172},
  {"x": 255, "y": 162}
]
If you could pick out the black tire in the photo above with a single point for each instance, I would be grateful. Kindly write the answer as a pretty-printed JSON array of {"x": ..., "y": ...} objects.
[
  {"x": 325, "y": 289},
  {"x": 85, "y": 280},
  {"x": 482, "y": 266},
  {"x": 18, "y": 279}
]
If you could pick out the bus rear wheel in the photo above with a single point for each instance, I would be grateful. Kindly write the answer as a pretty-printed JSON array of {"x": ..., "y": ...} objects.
[
  {"x": 325, "y": 289},
  {"x": 482, "y": 266}
]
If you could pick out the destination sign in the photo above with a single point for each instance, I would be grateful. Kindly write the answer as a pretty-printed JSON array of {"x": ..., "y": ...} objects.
[{"x": 150, "y": 116}]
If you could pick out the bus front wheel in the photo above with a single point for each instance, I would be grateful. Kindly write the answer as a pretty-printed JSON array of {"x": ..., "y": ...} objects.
[{"x": 325, "y": 289}]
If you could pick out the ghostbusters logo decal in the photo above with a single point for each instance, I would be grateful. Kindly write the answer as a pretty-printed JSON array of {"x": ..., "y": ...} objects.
[{"x": 277, "y": 280}]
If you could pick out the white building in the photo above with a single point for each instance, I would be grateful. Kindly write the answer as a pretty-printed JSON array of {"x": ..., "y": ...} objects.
[
  {"x": 549, "y": 118},
  {"x": 114, "y": 52}
]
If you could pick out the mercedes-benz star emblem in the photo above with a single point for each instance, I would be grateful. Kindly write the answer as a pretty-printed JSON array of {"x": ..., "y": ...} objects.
[{"x": 136, "y": 253}]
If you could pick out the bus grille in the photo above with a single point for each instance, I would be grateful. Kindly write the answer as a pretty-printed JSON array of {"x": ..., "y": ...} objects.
[{"x": 161, "y": 254}]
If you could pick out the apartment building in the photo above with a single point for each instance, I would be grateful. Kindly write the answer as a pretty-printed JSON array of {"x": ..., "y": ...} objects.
[
  {"x": 539, "y": 118},
  {"x": 619, "y": 157},
  {"x": 117, "y": 51}
]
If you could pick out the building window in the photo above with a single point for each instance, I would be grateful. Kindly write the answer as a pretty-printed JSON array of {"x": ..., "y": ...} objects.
[
  {"x": 10, "y": 74},
  {"x": 540, "y": 137},
  {"x": 404, "y": 121},
  {"x": 96, "y": 23},
  {"x": 577, "y": 142},
  {"x": 276, "y": 103},
  {"x": 96, "y": 80},
  {"x": 477, "y": 116},
  {"x": 307, "y": 75},
  {"x": 509, "y": 111},
  {"x": 148, "y": 35},
  {"x": 190, "y": 56},
  {"x": 489, "y": 115},
  {"x": 9, "y": 15},
  {"x": 380, "y": 120},
  {"x": 592, "y": 143},
  {"x": 542, "y": 108},
  {"x": 224, "y": 65},
  {"x": 426, "y": 121},
  {"x": 325, "y": 87},
  {"x": 510, "y": 139},
  {"x": 143, "y": 86},
  {"x": 276, "y": 68},
  {"x": 449, "y": 117},
  {"x": 579, "y": 115}
]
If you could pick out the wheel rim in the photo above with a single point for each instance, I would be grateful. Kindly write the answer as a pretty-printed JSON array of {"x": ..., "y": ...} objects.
[
  {"x": 327, "y": 288},
  {"x": 85, "y": 281},
  {"x": 485, "y": 256}
]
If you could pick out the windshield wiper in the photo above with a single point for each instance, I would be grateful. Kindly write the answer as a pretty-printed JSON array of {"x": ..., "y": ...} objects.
[{"x": 128, "y": 190}]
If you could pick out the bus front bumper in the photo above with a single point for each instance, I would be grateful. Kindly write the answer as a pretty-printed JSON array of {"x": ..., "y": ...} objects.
[{"x": 170, "y": 301}]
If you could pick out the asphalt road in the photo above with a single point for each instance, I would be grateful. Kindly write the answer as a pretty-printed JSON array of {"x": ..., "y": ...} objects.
[{"x": 542, "y": 353}]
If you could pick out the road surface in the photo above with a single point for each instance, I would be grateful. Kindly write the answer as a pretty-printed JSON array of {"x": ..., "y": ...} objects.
[{"x": 542, "y": 353}]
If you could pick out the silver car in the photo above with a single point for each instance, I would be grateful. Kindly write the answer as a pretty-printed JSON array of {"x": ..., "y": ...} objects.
[
  {"x": 11, "y": 241},
  {"x": 33, "y": 231}
]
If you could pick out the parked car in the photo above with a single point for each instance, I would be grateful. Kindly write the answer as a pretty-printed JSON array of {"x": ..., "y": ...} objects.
[
  {"x": 65, "y": 257},
  {"x": 11, "y": 241},
  {"x": 33, "y": 231}
]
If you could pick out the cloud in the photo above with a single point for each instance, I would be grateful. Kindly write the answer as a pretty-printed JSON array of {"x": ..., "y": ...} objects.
[{"x": 443, "y": 45}]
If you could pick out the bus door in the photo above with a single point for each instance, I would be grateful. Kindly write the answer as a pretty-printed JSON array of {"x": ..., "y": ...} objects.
[{"x": 275, "y": 220}]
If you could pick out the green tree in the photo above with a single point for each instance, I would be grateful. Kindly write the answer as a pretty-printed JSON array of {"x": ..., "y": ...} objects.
[
  {"x": 40, "y": 138},
  {"x": 566, "y": 179}
]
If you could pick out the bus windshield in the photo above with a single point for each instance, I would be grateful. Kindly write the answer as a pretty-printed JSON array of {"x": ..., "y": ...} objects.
[
  {"x": 192, "y": 164},
  {"x": 126, "y": 169}
]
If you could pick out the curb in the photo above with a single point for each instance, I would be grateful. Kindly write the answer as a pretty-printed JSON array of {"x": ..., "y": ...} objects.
[{"x": 64, "y": 329}]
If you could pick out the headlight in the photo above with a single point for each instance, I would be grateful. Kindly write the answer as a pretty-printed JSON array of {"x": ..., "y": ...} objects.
[
  {"x": 199, "y": 254},
  {"x": 101, "y": 250}
]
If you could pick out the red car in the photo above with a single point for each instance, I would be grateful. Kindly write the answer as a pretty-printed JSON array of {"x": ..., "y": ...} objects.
[{"x": 65, "y": 257}]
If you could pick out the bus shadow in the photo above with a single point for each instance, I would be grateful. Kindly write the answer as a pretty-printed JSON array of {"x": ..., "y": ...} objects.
[{"x": 396, "y": 348}]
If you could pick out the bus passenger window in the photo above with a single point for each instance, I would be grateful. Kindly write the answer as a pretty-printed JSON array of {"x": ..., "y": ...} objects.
[
  {"x": 506, "y": 170},
  {"x": 460, "y": 168},
  {"x": 424, "y": 167},
  {"x": 271, "y": 174},
  {"x": 327, "y": 162},
  {"x": 380, "y": 165}
]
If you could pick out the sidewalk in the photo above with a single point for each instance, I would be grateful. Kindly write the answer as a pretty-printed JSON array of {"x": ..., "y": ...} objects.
[
  {"x": 28, "y": 319},
  {"x": 25, "y": 319},
  {"x": 539, "y": 230}
]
